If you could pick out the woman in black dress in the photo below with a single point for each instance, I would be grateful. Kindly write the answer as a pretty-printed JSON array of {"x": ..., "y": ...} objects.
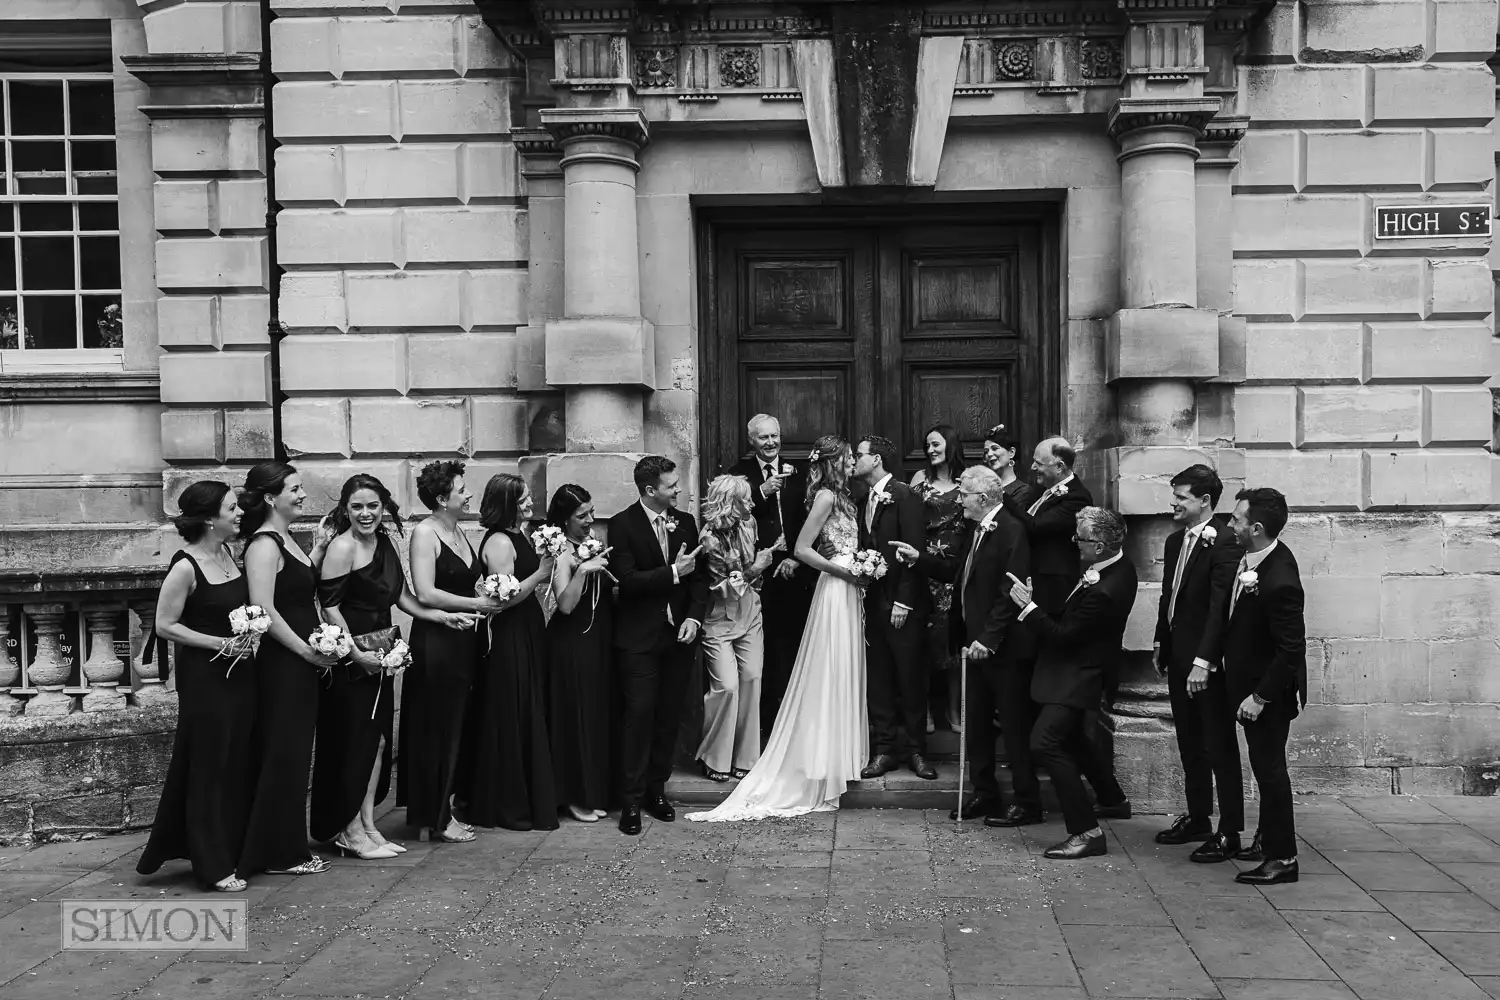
[
  {"x": 937, "y": 485},
  {"x": 578, "y": 643},
  {"x": 287, "y": 670},
  {"x": 510, "y": 781},
  {"x": 361, "y": 578},
  {"x": 435, "y": 691},
  {"x": 206, "y": 798},
  {"x": 1000, "y": 450}
]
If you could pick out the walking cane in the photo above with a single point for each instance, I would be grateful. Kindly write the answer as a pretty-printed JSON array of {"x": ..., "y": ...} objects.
[{"x": 963, "y": 714}]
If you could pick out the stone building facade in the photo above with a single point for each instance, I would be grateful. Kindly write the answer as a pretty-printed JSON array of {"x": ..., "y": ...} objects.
[{"x": 549, "y": 237}]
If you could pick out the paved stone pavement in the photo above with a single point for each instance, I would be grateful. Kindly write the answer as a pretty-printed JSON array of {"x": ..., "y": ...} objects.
[{"x": 1397, "y": 901}]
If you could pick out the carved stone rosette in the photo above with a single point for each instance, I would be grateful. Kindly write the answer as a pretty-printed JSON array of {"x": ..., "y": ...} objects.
[
  {"x": 1100, "y": 59},
  {"x": 1015, "y": 60},
  {"x": 103, "y": 669},
  {"x": 50, "y": 668},
  {"x": 656, "y": 67},
  {"x": 739, "y": 66}
]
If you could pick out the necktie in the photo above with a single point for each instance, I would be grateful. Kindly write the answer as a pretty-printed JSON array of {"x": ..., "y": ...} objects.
[
  {"x": 1039, "y": 501},
  {"x": 963, "y": 586},
  {"x": 767, "y": 472},
  {"x": 661, "y": 539},
  {"x": 870, "y": 512},
  {"x": 1188, "y": 542},
  {"x": 1234, "y": 597}
]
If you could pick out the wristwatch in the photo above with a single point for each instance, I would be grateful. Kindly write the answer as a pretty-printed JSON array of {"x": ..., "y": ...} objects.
[{"x": 1258, "y": 699}]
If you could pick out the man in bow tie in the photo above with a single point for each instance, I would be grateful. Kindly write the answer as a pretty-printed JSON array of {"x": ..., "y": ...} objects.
[
  {"x": 1077, "y": 647},
  {"x": 1197, "y": 575},
  {"x": 1265, "y": 671},
  {"x": 778, "y": 496},
  {"x": 983, "y": 624}
]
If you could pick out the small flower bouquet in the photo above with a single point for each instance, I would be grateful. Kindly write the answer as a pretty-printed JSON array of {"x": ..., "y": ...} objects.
[
  {"x": 497, "y": 587},
  {"x": 397, "y": 660},
  {"x": 550, "y": 541},
  {"x": 589, "y": 548},
  {"x": 1209, "y": 533},
  {"x": 330, "y": 640},
  {"x": 1250, "y": 581},
  {"x": 248, "y": 622},
  {"x": 869, "y": 564}
]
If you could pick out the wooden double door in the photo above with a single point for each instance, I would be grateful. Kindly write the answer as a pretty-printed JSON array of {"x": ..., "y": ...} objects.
[{"x": 861, "y": 324}]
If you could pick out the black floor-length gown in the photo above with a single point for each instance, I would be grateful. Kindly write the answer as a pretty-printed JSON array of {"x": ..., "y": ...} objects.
[
  {"x": 510, "y": 778},
  {"x": 355, "y": 711},
  {"x": 434, "y": 696},
  {"x": 288, "y": 714},
  {"x": 206, "y": 799},
  {"x": 580, "y": 656}
]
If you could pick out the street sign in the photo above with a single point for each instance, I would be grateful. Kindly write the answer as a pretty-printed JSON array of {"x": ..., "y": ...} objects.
[{"x": 1418, "y": 222}]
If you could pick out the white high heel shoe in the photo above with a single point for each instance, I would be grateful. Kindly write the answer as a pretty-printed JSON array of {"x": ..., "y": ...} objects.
[{"x": 347, "y": 849}]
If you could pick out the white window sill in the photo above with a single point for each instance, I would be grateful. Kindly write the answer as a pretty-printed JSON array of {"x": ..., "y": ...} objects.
[{"x": 54, "y": 362}]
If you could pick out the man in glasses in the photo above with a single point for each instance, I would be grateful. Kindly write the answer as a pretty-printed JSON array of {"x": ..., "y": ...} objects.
[{"x": 1076, "y": 647}]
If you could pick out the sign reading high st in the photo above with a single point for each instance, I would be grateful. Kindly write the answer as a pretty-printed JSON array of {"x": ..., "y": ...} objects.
[{"x": 1413, "y": 222}]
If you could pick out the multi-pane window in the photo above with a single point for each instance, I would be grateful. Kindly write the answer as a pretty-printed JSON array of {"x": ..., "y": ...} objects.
[{"x": 59, "y": 215}]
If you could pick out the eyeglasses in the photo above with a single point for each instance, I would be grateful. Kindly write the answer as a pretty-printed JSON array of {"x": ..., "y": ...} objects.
[{"x": 1080, "y": 538}]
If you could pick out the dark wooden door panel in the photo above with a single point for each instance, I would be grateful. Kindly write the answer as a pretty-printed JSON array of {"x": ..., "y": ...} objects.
[{"x": 857, "y": 324}]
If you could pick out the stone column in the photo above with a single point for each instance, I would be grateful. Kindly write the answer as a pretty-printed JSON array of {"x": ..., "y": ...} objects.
[
  {"x": 602, "y": 352},
  {"x": 103, "y": 669},
  {"x": 10, "y": 670},
  {"x": 49, "y": 668},
  {"x": 153, "y": 654}
]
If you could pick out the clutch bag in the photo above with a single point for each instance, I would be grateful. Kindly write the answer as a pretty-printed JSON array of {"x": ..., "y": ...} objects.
[{"x": 380, "y": 641}]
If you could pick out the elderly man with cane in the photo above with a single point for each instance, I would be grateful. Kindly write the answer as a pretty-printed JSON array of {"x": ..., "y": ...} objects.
[{"x": 983, "y": 621}]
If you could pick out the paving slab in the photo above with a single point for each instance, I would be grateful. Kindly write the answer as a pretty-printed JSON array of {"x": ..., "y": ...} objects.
[
  {"x": 1395, "y": 808},
  {"x": 1379, "y": 958},
  {"x": 1444, "y": 841},
  {"x": 1481, "y": 879},
  {"x": 1397, "y": 872},
  {"x": 1440, "y": 911},
  {"x": 1475, "y": 954},
  {"x": 1233, "y": 936},
  {"x": 1284, "y": 989},
  {"x": 1137, "y": 962}
]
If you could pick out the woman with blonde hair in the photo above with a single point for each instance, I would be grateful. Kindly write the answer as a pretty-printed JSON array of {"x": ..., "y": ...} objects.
[{"x": 733, "y": 635}]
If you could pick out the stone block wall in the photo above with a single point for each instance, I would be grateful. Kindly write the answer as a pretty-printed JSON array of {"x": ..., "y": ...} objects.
[{"x": 403, "y": 235}]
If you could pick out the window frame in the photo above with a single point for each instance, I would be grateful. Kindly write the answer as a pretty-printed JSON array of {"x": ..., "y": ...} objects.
[{"x": 22, "y": 359}]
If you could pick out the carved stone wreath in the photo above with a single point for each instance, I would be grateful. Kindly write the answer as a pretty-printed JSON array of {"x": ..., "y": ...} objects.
[
  {"x": 656, "y": 67},
  {"x": 739, "y": 66},
  {"x": 1101, "y": 59},
  {"x": 1015, "y": 60}
]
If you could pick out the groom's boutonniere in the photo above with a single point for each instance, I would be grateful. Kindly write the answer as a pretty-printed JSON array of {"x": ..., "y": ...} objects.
[
  {"x": 986, "y": 526},
  {"x": 1250, "y": 581},
  {"x": 882, "y": 498},
  {"x": 1090, "y": 577},
  {"x": 671, "y": 525},
  {"x": 1060, "y": 490},
  {"x": 786, "y": 469},
  {"x": 1209, "y": 533}
]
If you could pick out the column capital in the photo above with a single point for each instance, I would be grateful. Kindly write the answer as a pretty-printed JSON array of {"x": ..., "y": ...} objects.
[
  {"x": 538, "y": 150},
  {"x": 1220, "y": 137},
  {"x": 1189, "y": 114},
  {"x": 572, "y": 125}
]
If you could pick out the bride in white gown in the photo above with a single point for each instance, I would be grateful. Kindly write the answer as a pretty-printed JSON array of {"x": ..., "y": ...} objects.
[{"x": 820, "y": 739}]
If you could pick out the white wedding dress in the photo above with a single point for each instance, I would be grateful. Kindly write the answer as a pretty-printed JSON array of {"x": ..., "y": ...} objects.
[{"x": 821, "y": 738}]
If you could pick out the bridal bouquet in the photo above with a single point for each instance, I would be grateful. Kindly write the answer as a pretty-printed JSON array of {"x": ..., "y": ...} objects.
[
  {"x": 869, "y": 564},
  {"x": 550, "y": 540},
  {"x": 330, "y": 640},
  {"x": 248, "y": 622},
  {"x": 589, "y": 548},
  {"x": 497, "y": 587},
  {"x": 397, "y": 660}
]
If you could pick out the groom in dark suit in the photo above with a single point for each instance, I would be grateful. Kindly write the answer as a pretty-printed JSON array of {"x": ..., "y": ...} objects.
[
  {"x": 895, "y": 607},
  {"x": 1199, "y": 563},
  {"x": 983, "y": 624},
  {"x": 778, "y": 497},
  {"x": 1265, "y": 670},
  {"x": 1078, "y": 647},
  {"x": 663, "y": 596}
]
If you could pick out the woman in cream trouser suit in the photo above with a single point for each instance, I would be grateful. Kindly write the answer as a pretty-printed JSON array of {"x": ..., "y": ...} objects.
[{"x": 733, "y": 636}]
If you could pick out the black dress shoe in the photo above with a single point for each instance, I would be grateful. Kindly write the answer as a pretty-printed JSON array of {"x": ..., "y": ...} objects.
[
  {"x": 921, "y": 768},
  {"x": 1184, "y": 830},
  {"x": 1270, "y": 872},
  {"x": 630, "y": 821},
  {"x": 1016, "y": 816},
  {"x": 1077, "y": 846},
  {"x": 1252, "y": 853},
  {"x": 881, "y": 763},
  {"x": 1120, "y": 810},
  {"x": 978, "y": 807},
  {"x": 1219, "y": 847},
  {"x": 658, "y": 806}
]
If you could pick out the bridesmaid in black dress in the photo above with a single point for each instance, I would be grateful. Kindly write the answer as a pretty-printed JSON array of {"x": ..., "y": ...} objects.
[
  {"x": 206, "y": 798},
  {"x": 361, "y": 579},
  {"x": 287, "y": 671},
  {"x": 510, "y": 781},
  {"x": 1000, "y": 450},
  {"x": 435, "y": 691},
  {"x": 579, "y": 651}
]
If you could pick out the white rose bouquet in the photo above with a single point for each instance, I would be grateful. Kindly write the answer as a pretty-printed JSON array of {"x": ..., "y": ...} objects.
[
  {"x": 330, "y": 640},
  {"x": 589, "y": 548},
  {"x": 869, "y": 565},
  {"x": 248, "y": 622},
  {"x": 397, "y": 660},
  {"x": 497, "y": 587},
  {"x": 550, "y": 540}
]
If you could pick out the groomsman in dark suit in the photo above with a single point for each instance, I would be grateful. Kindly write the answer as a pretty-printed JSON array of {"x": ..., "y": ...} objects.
[
  {"x": 1077, "y": 647},
  {"x": 1265, "y": 668},
  {"x": 663, "y": 595},
  {"x": 895, "y": 606},
  {"x": 1197, "y": 575},
  {"x": 983, "y": 623},
  {"x": 778, "y": 495}
]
